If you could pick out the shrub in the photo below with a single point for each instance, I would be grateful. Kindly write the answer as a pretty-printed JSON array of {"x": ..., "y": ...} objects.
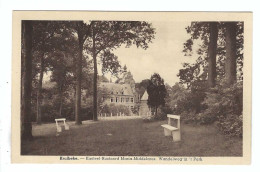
[
  {"x": 115, "y": 109},
  {"x": 204, "y": 118},
  {"x": 222, "y": 105},
  {"x": 191, "y": 100},
  {"x": 225, "y": 106},
  {"x": 162, "y": 112},
  {"x": 68, "y": 111},
  {"x": 86, "y": 113},
  {"x": 49, "y": 113},
  {"x": 148, "y": 119},
  {"x": 135, "y": 110},
  {"x": 232, "y": 125}
]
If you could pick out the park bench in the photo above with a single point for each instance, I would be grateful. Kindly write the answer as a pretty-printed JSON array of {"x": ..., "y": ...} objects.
[
  {"x": 59, "y": 129},
  {"x": 169, "y": 129}
]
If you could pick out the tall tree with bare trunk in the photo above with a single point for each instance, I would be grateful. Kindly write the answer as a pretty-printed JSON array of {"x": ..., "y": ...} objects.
[
  {"x": 212, "y": 53},
  {"x": 230, "y": 63},
  {"x": 26, "y": 82},
  {"x": 82, "y": 30}
]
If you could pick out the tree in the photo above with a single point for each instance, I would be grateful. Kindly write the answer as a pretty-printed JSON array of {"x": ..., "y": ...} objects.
[
  {"x": 62, "y": 74},
  {"x": 202, "y": 68},
  {"x": 127, "y": 78},
  {"x": 198, "y": 71},
  {"x": 26, "y": 83},
  {"x": 212, "y": 52},
  {"x": 83, "y": 31},
  {"x": 55, "y": 35},
  {"x": 142, "y": 86},
  {"x": 44, "y": 31},
  {"x": 109, "y": 35},
  {"x": 63, "y": 55},
  {"x": 156, "y": 92},
  {"x": 230, "y": 63},
  {"x": 175, "y": 94}
]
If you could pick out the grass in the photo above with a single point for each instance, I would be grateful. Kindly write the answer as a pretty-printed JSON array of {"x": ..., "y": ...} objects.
[{"x": 131, "y": 137}]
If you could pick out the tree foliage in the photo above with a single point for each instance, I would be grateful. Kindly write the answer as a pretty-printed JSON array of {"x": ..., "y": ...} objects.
[
  {"x": 156, "y": 92},
  {"x": 200, "y": 32}
]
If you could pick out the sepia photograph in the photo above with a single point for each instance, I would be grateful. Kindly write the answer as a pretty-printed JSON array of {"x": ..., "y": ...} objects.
[{"x": 111, "y": 87}]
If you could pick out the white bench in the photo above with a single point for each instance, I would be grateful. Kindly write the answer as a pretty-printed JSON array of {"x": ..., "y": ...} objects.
[
  {"x": 169, "y": 129},
  {"x": 59, "y": 129}
]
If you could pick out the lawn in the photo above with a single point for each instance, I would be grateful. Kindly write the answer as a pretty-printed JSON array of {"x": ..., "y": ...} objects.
[{"x": 131, "y": 137}]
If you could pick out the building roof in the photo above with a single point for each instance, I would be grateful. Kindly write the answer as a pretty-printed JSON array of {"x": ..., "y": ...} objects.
[
  {"x": 145, "y": 96},
  {"x": 117, "y": 89}
]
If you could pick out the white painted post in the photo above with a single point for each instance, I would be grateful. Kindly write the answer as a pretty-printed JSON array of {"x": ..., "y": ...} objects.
[
  {"x": 105, "y": 115},
  {"x": 111, "y": 114}
]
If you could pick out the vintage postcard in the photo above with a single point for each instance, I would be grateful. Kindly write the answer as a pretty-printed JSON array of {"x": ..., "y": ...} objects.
[{"x": 131, "y": 87}]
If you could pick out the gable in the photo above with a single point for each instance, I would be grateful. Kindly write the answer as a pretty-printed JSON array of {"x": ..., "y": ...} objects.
[{"x": 145, "y": 96}]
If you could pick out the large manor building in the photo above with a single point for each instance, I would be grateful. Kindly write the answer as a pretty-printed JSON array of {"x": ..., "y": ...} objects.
[{"x": 116, "y": 93}]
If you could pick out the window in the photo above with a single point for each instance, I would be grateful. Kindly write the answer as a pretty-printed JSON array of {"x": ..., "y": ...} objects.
[
  {"x": 127, "y": 99},
  {"x": 132, "y": 100},
  {"x": 117, "y": 99},
  {"x": 112, "y": 99},
  {"x": 122, "y": 99},
  {"x": 122, "y": 92}
]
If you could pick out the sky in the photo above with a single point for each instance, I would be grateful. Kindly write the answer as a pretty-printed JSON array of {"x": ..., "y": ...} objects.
[{"x": 164, "y": 55}]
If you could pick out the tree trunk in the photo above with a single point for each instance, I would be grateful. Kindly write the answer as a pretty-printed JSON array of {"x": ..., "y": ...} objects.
[
  {"x": 78, "y": 81},
  {"x": 212, "y": 52},
  {"x": 39, "y": 93},
  {"x": 61, "y": 101},
  {"x": 230, "y": 63},
  {"x": 26, "y": 83},
  {"x": 95, "y": 81}
]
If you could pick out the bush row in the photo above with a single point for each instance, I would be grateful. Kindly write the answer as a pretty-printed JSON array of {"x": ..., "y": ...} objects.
[{"x": 221, "y": 105}]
